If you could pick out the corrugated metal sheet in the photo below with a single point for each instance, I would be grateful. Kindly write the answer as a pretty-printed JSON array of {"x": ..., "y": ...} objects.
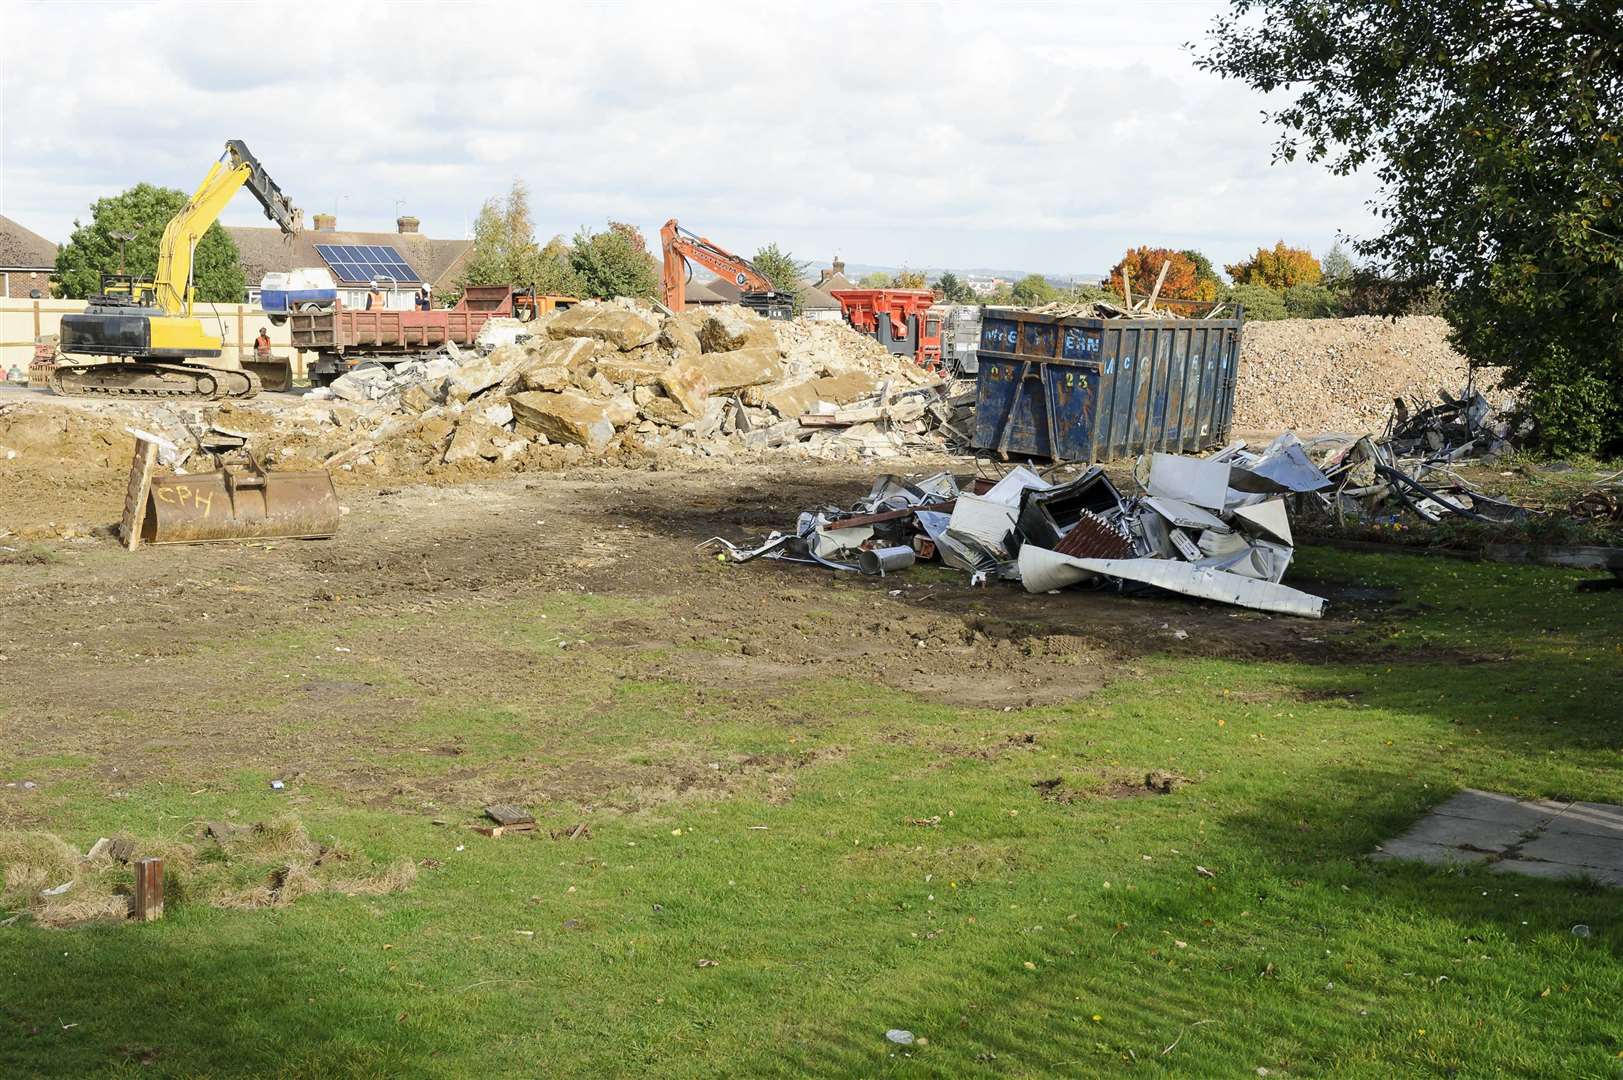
[{"x": 1076, "y": 389}]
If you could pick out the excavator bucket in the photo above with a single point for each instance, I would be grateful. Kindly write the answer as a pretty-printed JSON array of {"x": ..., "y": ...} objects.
[{"x": 239, "y": 502}]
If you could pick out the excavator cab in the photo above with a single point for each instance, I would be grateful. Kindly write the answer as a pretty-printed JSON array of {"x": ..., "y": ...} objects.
[{"x": 126, "y": 290}]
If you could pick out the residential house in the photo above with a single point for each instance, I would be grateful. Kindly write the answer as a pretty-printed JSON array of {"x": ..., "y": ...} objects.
[
  {"x": 27, "y": 261},
  {"x": 402, "y": 262}
]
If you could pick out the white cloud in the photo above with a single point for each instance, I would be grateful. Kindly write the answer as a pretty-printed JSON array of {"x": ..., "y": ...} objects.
[{"x": 1020, "y": 136}]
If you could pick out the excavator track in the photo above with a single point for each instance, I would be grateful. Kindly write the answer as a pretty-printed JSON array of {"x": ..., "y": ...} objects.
[{"x": 153, "y": 381}]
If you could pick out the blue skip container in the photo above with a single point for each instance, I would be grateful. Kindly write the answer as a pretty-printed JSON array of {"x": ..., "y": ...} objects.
[{"x": 1079, "y": 389}]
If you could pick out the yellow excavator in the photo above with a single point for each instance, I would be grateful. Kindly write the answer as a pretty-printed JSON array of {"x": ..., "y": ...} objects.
[{"x": 159, "y": 349}]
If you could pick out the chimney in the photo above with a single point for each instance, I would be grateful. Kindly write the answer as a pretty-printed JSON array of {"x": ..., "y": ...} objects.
[
  {"x": 326, "y": 223},
  {"x": 839, "y": 266},
  {"x": 824, "y": 275},
  {"x": 406, "y": 224}
]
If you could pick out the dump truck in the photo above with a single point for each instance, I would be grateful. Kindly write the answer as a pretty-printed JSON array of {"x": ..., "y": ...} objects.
[{"x": 343, "y": 339}]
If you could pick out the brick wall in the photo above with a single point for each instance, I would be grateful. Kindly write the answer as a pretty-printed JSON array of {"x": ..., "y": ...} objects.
[{"x": 19, "y": 283}]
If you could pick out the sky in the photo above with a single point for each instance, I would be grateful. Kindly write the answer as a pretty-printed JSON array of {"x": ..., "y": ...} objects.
[{"x": 1047, "y": 137}]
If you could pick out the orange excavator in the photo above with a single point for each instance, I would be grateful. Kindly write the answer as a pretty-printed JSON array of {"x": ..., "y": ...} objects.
[{"x": 758, "y": 292}]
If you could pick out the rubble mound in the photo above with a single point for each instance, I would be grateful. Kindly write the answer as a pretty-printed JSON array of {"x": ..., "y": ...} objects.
[
  {"x": 617, "y": 376},
  {"x": 1319, "y": 375}
]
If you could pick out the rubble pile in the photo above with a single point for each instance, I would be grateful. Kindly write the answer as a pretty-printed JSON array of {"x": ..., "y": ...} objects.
[
  {"x": 1323, "y": 375},
  {"x": 610, "y": 375},
  {"x": 1215, "y": 528}
]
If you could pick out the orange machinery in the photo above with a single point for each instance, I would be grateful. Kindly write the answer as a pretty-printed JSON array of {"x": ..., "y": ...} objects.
[
  {"x": 899, "y": 319},
  {"x": 681, "y": 246}
]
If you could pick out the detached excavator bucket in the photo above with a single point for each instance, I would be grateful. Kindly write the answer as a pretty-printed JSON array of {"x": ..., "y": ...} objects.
[{"x": 240, "y": 503}]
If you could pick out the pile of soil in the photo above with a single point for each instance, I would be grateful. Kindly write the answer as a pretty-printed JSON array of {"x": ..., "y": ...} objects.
[{"x": 1319, "y": 375}]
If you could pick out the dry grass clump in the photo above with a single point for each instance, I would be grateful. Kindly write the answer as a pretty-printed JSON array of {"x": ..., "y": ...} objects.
[{"x": 266, "y": 864}]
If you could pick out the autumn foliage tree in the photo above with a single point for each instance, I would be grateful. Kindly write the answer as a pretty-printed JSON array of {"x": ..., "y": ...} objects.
[
  {"x": 1279, "y": 267},
  {"x": 1141, "y": 266}
]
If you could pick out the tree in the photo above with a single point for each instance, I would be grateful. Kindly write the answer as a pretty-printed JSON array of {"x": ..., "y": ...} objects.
[
  {"x": 909, "y": 279},
  {"x": 1032, "y": 291},
  {"x": 875, "y": 280},
  {"x": 505, "y": 252},
  {"x": 1260, "y": 302},
  {"x": 1278, "y": 267},
  {"x": 1183, "y": 280},
  {"x": 614, "y": 262},
  {"x": 786, "y": 274},
  {"x": 1205, "y": 274},
  {"x": 1337, "y": 264},
  {"x": 953, "y": 289},
  {"x": 1310, "y": 302},
  {"x": 1493, "y": 129},
  {"x": 144, "y": 210}
]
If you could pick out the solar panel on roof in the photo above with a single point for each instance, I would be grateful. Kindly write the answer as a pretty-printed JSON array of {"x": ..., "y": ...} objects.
[{"x": 361, "y": 263}]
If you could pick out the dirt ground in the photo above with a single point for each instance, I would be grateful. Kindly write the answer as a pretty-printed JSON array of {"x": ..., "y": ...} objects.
[{"x": 127, "y": 662}]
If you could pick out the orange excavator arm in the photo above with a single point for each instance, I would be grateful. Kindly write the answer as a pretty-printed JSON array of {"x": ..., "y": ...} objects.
[{"x": 680, "y": 245}]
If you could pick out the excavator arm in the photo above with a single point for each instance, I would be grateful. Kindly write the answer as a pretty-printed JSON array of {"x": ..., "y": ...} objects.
[
  {"x": 681, "y": 245},
  {"x": 235, "y": 168}
]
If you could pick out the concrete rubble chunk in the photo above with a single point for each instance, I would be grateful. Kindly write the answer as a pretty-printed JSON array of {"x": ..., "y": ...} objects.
[
  {"x": 624, "y": 328},
  {"x": 545, "y": 378},
  {"x": 630, "y": 368},
  {"x": 665, "y": 411},
  {"x": 691, "y": 379},
  {"x": 562, "y": 355},
  {"x": 676, "y": 335},
  {"x": 790, "y": 400},
  {"x": 729, "y": 328},
  {"x": 362, "y": 384},
  {"x": 471, "y": 436},
  {"x": 486, "y": 371},
  {"x": 567, "y": 416}
]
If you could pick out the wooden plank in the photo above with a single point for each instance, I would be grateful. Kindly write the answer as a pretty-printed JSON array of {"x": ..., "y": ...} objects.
[
  {"x": 135, "y": 496},
  {"x": 148, "y": 890},
  {"x": 891, "y": 515}
]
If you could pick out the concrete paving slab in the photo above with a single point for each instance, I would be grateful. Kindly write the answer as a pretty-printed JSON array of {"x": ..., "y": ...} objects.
[
  {"x": 1592, "y": 819},
  {"x": 1578, "y": 849},
  {"x": 1492, "y": 806},
  {"x": 1557, "y": 871},
  {"x": 1494, "y": 836},
  {"x": 1435, "y": 854},
  {"x": 1544, "y": 838}
]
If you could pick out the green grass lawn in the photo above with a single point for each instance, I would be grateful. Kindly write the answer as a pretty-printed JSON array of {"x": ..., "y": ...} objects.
[{"x": 1022, "y": 934}]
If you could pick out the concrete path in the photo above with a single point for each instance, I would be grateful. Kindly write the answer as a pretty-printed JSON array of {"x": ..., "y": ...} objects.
[{"x": 1542, "y": 838}]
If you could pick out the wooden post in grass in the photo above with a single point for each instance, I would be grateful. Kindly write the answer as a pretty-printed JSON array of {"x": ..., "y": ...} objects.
[{"x": 148, "y": 889}]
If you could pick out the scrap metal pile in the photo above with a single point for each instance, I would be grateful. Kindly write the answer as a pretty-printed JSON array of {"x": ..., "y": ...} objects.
[
  {"x": 1214, "y": 528},
  {"x": 1409, "y": 467}
]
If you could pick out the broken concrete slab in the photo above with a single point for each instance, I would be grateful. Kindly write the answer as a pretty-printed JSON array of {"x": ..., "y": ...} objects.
[
  {"x": 567, "y": 416},
  {"x": 631, "y": 368},
  {"x": 790, "y": 400},
  {"x": 623, "y": 327},
  {"x": 680, "y": 338},
  {"x": 471, "y": 436},
  {"x": 486, "y": 371},
  {"x": 730, "y": 328},
  {"x": 691, "y": 379}
]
